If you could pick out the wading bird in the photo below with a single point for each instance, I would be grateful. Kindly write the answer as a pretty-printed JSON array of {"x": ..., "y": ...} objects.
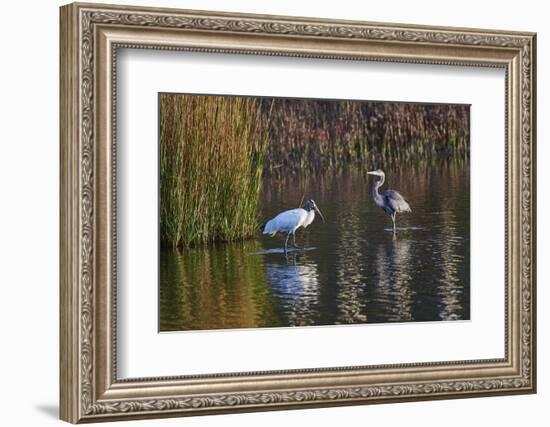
[
  {"x": 390, "y": 200},
  {"x": 289, "y": 221}
]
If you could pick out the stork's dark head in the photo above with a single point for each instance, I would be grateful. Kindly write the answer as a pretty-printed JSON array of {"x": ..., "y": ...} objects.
[{"x": 310, "y": 205}]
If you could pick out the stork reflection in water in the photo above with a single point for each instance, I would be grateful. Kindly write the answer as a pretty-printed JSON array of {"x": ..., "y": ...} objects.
[
  {"x": 289, "y": 221},
  {"x": 390, "y": 201}
]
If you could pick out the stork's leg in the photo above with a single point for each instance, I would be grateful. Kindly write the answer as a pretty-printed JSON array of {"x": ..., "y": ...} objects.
[
  {"x": 294, "y": 239},
  {"x": 286, "y": 241}
]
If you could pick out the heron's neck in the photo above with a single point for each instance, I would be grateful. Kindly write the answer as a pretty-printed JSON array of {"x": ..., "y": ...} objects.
[
  {"x": 375, "y": 186},
  {"x": 375, "y": 195},
  {"x": 374, "y": 190}
]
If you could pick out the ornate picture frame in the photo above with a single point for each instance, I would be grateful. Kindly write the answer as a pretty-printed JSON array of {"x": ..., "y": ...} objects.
[{"x": 90, "y": 37}]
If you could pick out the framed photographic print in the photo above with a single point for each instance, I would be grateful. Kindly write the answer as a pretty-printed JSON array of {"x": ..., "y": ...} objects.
[{"x": 265, "y": 212}]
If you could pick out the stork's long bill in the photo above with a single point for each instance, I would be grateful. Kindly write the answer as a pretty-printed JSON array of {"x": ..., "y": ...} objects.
[{"x": 320, "y": 214}]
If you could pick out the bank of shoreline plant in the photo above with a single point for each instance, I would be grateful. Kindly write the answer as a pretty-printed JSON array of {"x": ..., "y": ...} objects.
[
  {"x": 212, "y": 152},
  {"x": 215, "y": 150},
  {"x": 318, "y": 136}
]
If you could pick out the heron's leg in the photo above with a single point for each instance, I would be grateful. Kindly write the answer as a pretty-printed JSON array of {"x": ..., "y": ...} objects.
[
  {"x": 393, "y": 215},
  {"x": 286, "y": 241}
]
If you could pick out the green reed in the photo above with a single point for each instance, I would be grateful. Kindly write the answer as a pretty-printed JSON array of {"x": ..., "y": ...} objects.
[{"x": 212, "y": 152}]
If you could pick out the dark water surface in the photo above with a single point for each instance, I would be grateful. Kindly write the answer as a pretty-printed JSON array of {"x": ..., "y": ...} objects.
[{"x": 353, "y": 269}]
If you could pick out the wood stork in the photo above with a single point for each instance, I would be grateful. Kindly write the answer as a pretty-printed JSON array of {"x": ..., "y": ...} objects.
[
  {"x": 390, "y": 200},
  {"x": 289, "y": 221}
]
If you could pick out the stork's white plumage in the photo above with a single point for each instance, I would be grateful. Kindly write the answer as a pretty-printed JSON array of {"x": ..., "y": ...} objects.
[{"x": 289, "y": 221}]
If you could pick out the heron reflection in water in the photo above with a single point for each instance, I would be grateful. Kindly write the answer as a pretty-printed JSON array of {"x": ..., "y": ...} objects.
[{"x": 393, "y": 263}]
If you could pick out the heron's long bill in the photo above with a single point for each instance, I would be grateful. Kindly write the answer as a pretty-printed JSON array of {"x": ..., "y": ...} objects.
[
  {"x": 320, "y": 214},
  {"x": 373, "y": 173}
]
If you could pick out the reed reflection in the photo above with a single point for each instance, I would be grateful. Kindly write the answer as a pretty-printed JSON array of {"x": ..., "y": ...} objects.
[
  {"x": 215, "y": 288},
  {"x": 352, "y": 292},
  {"x": 452, "y": 248}
]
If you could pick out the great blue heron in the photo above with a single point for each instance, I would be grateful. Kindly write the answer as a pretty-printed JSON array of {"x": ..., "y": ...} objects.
[
  {"x": 390, "y": 200},
  {"x": 289, "y": 221}
]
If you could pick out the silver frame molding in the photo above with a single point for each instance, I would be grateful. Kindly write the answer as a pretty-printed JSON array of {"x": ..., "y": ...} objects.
[{"x": 90, "y": 37}]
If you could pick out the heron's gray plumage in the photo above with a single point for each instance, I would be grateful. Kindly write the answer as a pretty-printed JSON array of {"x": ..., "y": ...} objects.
[
  {"x": 391, "y": 201},
  {"x": 395, "y": 201}
]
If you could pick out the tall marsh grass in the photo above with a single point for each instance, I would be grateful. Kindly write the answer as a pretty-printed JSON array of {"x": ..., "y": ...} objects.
[
  {"x": 318, "y": 136},
  {"x": 212, "y": 152}
]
